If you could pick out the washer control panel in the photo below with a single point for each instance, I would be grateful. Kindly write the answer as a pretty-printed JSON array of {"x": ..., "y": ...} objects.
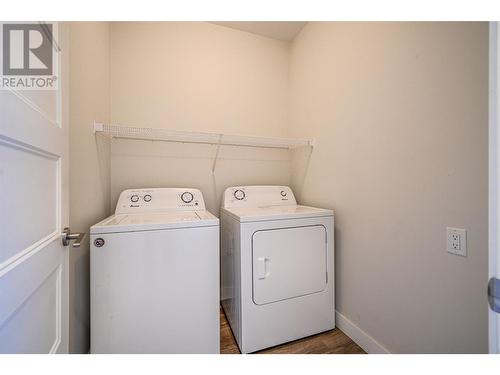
[
  {"x": 160, "y": 199},
  {"x": 258, "y": 196}
]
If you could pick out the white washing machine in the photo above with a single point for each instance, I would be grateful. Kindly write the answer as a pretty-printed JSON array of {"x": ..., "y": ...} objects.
[
  {"x": 276, "y": 266},
  {"x": 154, "y": 269}
]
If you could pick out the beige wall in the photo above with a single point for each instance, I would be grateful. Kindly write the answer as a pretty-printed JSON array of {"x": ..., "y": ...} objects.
[
  {"x": 89, "y": 160},
  {"x": 201, "y": 77},
  {"x": 198, "y": 76},
  {"x": 399, "y": 115}
]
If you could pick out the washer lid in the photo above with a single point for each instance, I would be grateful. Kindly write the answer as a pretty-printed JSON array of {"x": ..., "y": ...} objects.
[
  {"x": 154, "y": 221},
  {"x": 248, "y": 214}
]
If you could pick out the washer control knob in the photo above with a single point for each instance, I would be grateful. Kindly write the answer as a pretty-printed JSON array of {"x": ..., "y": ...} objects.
[
  {"x": 147, "y": 198},
  {"x": 283, "y": 193},
  {"x": 239, "y": 194},
  {"x": 134, "y": 198},
  {"x": 187, "y": 197}
]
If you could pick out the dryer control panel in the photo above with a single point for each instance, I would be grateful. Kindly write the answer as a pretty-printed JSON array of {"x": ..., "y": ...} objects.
[
  {"x": 258, "y": 196},
  {"x": 159, "y": 200}
]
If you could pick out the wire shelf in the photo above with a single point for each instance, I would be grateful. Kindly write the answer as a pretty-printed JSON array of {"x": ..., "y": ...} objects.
[{"x": 154, "y": 134}]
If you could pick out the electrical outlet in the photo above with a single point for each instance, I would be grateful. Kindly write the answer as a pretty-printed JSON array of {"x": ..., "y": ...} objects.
[{"x": 456, "y": 241}]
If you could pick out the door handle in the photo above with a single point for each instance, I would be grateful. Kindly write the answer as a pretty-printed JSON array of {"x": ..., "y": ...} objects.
[
  {"x": 264, "y": 268},
  {"x": 67, "y": 237},
  {"x": 494, "y": 294}
]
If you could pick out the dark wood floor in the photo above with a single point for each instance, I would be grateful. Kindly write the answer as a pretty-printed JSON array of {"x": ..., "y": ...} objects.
[{"x": 334, "y": 342}]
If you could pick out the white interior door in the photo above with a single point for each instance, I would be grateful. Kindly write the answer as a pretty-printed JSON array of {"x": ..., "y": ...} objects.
[
  {"x": 494, "y": 192},
  {"x": 33, "y": 210}
]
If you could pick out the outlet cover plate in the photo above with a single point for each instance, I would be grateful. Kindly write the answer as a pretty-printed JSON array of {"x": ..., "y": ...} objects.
[{"x": 456, "y": 241}]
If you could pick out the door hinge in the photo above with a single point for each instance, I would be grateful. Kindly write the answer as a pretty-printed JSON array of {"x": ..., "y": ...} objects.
[{"x": 494, "y": 294}]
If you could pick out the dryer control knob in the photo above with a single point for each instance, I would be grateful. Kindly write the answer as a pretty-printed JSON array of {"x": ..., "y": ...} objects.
[
  {"x": 147, "y": 198},
  {"x": 187, "y": 197},
  {"x": 239, "y": 194},
  {"x": 283, "y": 193},
  {"x": 134, "y": 198}
]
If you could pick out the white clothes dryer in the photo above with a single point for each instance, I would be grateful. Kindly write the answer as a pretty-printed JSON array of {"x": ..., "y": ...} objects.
[{"x": 277, "y": 266}]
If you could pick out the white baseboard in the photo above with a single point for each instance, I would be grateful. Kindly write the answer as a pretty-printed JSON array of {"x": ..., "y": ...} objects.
[{"x": 360, "y": 337}]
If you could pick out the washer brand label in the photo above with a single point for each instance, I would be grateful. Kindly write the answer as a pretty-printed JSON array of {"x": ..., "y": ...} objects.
[{"x": 99, "y": 242}]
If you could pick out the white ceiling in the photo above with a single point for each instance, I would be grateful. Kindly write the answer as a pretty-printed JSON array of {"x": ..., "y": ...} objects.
[{"x": 285, "y": 31}]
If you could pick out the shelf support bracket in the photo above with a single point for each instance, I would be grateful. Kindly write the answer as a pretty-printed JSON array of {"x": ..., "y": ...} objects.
[
  {"x": 98, "y": 127},
  {"x": 214, "y": 165}
]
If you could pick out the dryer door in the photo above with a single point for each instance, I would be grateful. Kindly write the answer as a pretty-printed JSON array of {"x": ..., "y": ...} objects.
[{"x": 288, "y": 263}]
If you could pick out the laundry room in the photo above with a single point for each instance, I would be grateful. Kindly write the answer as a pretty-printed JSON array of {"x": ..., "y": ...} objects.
[
  {"x": 268, "y": 187},
  {"x": 395, "y": 179}
]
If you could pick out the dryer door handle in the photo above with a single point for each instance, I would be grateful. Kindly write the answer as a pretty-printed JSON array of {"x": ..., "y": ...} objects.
[{"x": 263, "y": 267}]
